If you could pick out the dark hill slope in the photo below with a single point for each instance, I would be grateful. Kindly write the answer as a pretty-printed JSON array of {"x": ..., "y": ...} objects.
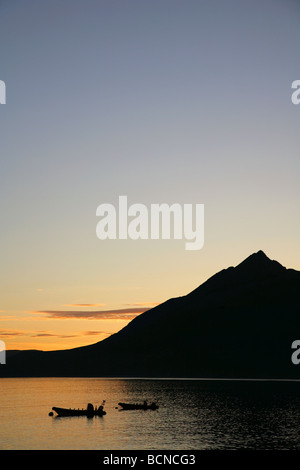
[{"x": 239, "y": 323}]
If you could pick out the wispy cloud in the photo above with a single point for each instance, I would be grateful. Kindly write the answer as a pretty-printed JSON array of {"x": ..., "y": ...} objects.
[
  {"x": 82, "y": 333},
  {"x": 11, "y": 333},
  {"x": 10, "y": 317},
  {"x": 42, "y": 335},
  {"x": 117, "y": 314},
  {"x": 145, "y": 304},
  {"x": 84, "y": 305},
  {"x": 95, "y": 333},
  {"x": 48, "y": 334}
]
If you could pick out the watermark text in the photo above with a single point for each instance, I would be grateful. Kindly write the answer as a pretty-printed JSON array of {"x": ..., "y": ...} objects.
[
  {"x": 296, "y": 354},
  {"x": 296, "y": 94},
  {"x": 2, "y": 353},
  {"x": 2, "y": 92},
  {"x": 161, "y": 221}
]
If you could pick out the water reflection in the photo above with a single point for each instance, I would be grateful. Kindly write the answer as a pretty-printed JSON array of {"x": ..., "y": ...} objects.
[
  {"x": 237, "y": 415},
  {"x": 192, "y": 414}
]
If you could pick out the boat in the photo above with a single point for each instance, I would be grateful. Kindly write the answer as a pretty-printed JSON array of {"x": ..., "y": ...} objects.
[
  {"x": 90, "y": 411},
  {"x": 138, "y": 406}
]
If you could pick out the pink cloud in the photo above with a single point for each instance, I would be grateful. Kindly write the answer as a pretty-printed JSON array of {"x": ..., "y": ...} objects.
[{"x": 117, "y": 314}]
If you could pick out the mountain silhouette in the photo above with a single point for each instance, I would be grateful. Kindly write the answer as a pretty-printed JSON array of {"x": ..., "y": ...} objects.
[{"x": 240, "y": 323}]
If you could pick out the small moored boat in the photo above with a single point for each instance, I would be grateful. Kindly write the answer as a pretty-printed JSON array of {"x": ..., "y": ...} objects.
[
  {"x": 138, "y": 406},
  {"x": 90, "y": 411}
]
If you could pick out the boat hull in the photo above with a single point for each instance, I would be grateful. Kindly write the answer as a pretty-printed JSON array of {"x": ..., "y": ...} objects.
[
  {"x": 73, "y": 412},
  {"x": 138, "y": 406}
]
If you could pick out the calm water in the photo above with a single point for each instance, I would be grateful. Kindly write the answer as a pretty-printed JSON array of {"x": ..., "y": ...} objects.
[{"x": 193, "y": 414}]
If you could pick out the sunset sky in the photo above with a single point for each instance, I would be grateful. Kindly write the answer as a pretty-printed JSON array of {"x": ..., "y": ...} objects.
[{"x": 164, "y": 101}]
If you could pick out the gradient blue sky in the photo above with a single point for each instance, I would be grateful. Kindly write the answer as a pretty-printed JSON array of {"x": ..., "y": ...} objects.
[{"x": 162, "y": 101}]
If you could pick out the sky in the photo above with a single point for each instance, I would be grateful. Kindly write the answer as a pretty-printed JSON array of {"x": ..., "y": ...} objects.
[{"x": 164, "y": 101}]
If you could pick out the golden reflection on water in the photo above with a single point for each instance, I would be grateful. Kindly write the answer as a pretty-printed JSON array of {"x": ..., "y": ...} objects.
[{"x": 192, "y": 414}]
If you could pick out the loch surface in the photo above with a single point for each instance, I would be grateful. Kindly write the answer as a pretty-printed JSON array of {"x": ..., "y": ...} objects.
[{"x": 192, "y": 414}]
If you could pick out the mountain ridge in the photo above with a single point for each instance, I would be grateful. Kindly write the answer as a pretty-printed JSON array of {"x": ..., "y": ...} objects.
[{"x": 239, "y": 323}]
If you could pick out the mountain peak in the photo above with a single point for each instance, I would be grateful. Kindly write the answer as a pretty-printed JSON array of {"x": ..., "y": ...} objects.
[
  {"x": 259, "y": 256},
  {"x": 260, "y": 263},
  {"x": 255, "y": 267}
]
